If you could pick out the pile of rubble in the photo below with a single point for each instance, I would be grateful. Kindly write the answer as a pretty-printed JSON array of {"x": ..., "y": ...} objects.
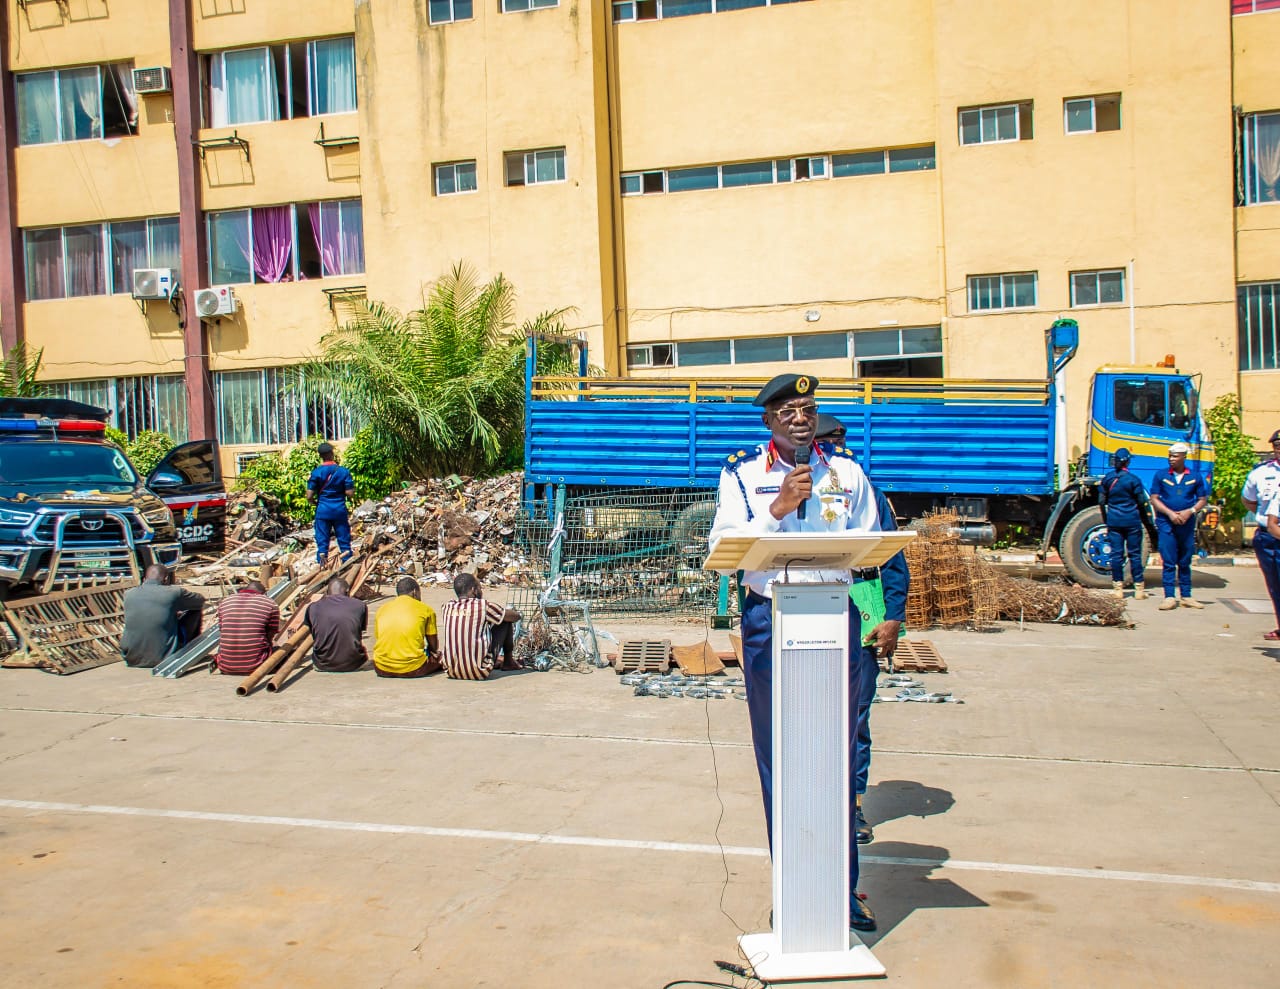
[{"x": 431, "y": 530}]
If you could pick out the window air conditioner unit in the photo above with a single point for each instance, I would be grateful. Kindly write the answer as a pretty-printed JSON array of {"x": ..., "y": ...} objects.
[
  {"x": 154, "y": 283},
  {"x": 153, "y": 80},
  {"x": 211, "y": 302}
]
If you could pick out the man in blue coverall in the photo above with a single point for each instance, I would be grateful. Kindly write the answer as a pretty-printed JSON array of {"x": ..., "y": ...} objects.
[
  {"x": 1176, "y": 495},
  {"x": 328, "y": 489},
  {"x": 894, "y": 580},
  {"x": 1123, "y": 501},
  {"x": 761, "y": 489}
]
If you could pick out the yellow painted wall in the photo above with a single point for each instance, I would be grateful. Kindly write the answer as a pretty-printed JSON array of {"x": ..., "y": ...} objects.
[
  {"x": 475, "y": 89},
  {"x": 276, "y": 324},
  {"x": 1158, "y": 190},
  {"x": 220, "y": 24},
  {"x": 1256, "y": 61},
  {"x": 51, "y": 35},
  {"x": 284, "y": 164},
  {"x": 103, "y": 336}
]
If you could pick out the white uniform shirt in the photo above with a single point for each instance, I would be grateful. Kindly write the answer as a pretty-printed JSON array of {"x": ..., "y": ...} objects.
[
  {"x": 1262, "y": 484},
  {"x": 842, "y": 499},
  {"x": 1266, "y": 508}
]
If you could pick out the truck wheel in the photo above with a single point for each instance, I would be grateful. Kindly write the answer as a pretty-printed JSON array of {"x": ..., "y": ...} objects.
[
  {"x": 691, "y": 528},
  {"x": 1084, "y": 551}
]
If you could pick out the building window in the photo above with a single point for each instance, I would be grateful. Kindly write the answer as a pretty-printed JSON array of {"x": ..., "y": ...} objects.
[
  {"x": 911, "y": 352},
  {"x": 1015, "y": 291},
  {"x": 448, "y": 11},
  {"x": 81, "y": 104},
  {"x": 515, "y": 6},
  {"x": 280, "y": 82},
  {"x": 534, "y": 167},
  {"x": 1258, "y": 313},
  {"x": 98, "y": 258},
  {"x": 141, "y": 244},
  {"x": 455, "y": 176},
  {"x": 286, "y": 243},
  {"x": 1091, "y": 114},
  {"x": 650, "y": 10},
  {"x": 274, "y": 406},
  {"x": 1260, "y": 159},
  {"x": 151, "y": 402},
  {"x": 651, "y": 355},
  {"x": 996, "y": 124},
  {"x": 704, "y": 352},
  {"x": 643, "y": 183},
  {"x": 1253, "y": 6},
  {"x": 1097, "y": 288}
]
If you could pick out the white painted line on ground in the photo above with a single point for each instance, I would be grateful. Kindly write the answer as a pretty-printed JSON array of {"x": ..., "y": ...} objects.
[
  {"x": 637, "y": 739},
  {"x": 525, "y": 837}
]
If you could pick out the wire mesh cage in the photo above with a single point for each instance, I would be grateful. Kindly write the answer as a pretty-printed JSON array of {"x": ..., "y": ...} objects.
[{"x": 623, "y": 551}]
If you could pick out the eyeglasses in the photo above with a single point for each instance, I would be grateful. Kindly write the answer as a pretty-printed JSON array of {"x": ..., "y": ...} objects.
[{"x": 790, "y": 413}]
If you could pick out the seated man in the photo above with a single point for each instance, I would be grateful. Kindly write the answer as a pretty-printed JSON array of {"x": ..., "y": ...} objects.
[
  {"x": 337, "y": 622},
  {"x": 405, "y": 643},
  {"x": 248, "y": 622},
  {"x": 159, "y": 618},
  {"x": 475, "y": 631}
]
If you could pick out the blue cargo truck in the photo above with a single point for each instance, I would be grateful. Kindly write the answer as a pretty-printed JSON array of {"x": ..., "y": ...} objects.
[{"x": 993, "y": 451}]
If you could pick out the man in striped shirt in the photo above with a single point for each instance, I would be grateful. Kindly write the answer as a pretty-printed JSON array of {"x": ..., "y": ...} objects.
[
  {"x": 248, "y": 622},
  {"x": 476, "y": 631}
]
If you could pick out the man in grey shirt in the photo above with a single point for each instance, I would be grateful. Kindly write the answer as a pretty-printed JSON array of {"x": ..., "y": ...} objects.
[{"x": 158, "y": 618}]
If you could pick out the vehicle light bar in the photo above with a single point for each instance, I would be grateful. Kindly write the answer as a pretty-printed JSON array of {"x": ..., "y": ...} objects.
[
  {"x": 80, "y": 426},
  {"x": 18, "y": 424}
]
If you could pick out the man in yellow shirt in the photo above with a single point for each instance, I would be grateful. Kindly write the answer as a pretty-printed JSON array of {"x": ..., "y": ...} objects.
[{"x": 405, "y": 635}]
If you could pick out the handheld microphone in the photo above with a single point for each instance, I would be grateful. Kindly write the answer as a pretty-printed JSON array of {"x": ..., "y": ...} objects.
[{"x": 802, "y": 460}]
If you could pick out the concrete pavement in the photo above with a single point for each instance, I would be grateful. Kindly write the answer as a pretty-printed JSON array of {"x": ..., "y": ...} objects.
[{"x": 1102, "y": 811}]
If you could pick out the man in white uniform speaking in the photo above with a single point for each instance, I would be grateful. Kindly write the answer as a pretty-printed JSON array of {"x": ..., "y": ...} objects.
[{"x": 762, "y": 490}]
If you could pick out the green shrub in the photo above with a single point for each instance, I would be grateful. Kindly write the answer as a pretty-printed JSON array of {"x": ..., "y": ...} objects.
[
  {"x": 148, "y": 450},
  {"x": 372, "y": 466},
  {"x": 283, "y": 477},
  {"x": 1233, "y": 453},
  {"x": 118, "y": 437}
]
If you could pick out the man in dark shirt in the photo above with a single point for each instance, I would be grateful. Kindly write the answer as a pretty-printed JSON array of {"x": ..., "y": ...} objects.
[
  {"x": 1123, "y": 501},
  {"x": 158, "y": 618},
  {"x": 248, "y": 622},
  {"x": 328, "y": 489},
  {"x": 337, "y": 621}
]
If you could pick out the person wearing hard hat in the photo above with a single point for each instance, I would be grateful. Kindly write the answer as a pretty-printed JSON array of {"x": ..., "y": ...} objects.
[
  {"x": 1123, "y": 501},
  {"x": 1177, "y": 493}
]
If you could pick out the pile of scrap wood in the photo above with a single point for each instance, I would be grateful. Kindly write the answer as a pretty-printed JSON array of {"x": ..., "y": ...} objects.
[{"x": 952, "y": 586}]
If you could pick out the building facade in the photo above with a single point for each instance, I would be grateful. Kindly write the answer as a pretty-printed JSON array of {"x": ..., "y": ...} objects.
[{"x": 716, "y": 188}]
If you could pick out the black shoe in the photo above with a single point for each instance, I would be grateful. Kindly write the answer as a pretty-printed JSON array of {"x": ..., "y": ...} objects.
[
  {"x": 861, "y": 829},
  {"x": 860, "y": 916}
]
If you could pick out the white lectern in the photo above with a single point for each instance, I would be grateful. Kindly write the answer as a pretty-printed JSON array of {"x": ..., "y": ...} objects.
[{"x": 811, "y": 938}]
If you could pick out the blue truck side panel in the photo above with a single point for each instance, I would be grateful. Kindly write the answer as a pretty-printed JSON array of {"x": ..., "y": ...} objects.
[{"x": 981, "y": 448}]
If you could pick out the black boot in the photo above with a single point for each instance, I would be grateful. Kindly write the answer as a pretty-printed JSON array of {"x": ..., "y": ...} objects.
[
  {"x": 860, "y": 916},
  {"x": 861, "y": 829}
]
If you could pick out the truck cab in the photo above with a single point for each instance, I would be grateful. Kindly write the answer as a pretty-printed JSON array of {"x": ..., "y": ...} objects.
[
  {"x": 1145, "y": 409},
  {"x": 73, "y": 509}
]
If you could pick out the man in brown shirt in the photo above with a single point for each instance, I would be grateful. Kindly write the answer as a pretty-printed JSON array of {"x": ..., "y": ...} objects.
[{"x": 337, "y": 622}]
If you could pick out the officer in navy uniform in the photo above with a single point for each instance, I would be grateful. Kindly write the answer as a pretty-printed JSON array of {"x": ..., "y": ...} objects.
[
  {"x": 1177, "y": 493},
  {"x": 895, "y": 580},
  {"x": 1124, "y": 501},
  {"x": 1260, "y": 490},
  {"x": 760, "y": 490}
]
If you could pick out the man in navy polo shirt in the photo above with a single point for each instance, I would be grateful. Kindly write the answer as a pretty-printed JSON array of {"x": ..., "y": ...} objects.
[
  {"x": 328, "y": 489},
  {"x": 1176, "y": 495}
]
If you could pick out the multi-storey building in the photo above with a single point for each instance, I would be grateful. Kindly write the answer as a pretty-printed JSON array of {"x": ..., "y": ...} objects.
[{"x": 716, "y": 187}]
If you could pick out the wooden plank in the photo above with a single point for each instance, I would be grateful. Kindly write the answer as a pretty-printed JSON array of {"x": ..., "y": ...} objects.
[{"x": 697, "y": 660}]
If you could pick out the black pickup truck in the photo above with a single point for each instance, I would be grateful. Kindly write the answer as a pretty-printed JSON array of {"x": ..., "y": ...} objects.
[{"x": 74, "y": 510}]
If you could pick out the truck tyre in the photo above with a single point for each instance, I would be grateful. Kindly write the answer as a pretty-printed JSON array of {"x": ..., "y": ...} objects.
[
  {"x": 1083, "y": 548},
  {"x": 690, "y": 530}
]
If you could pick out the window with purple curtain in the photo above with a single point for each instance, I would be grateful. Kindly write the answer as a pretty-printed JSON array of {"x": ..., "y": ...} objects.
[
  {"x": 272, "y": 242},
  {"x": 338, "y": 229},
  {"x": 86, "y": 272},
  {"x": 46, "y": 278}
]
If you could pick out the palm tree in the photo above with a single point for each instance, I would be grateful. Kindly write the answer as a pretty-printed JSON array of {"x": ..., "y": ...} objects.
[
  {"x": 18, "y": 371},
  {"x": 442, "y": 386}
]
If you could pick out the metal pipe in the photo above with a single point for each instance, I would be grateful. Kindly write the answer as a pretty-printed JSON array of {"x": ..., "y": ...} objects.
[{"x": 278, "y": 655}]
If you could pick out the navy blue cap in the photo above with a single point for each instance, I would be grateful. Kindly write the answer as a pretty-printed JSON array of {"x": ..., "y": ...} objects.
[
  {"x": 786, "y": 386},
  {"x": 827, "y": 424},
  {"x": 1122, "y": 456},
  {"x": 1274, "y": 436}
]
